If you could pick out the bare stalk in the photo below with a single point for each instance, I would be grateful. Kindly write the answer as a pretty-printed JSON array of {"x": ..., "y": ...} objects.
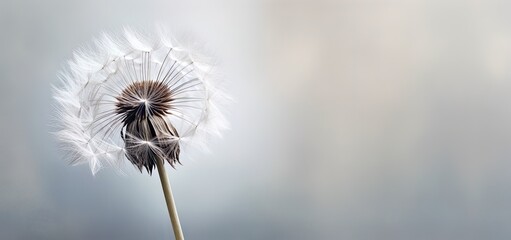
[{"x": 169, "y": 199}]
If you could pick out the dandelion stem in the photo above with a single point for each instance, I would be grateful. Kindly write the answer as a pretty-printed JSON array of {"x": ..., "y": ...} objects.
[{"x": 169, "y": 199}]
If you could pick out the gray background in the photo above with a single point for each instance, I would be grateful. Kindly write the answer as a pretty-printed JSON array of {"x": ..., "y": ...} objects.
[{"x": 353, "y": 120}]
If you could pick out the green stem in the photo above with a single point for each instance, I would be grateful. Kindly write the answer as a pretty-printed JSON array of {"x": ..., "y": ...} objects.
[{"x": 169, "y": 199}]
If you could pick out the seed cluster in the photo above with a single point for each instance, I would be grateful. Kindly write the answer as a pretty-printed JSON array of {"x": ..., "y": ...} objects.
[{"x": 147, "y": 135}]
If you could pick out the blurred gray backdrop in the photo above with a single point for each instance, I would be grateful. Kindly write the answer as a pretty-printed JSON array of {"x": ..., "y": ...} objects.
[{"x": 352, "y": 120}]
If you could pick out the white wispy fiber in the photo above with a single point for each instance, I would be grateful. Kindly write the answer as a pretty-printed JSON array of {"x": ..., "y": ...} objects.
[{"x": 136, "y": 97}]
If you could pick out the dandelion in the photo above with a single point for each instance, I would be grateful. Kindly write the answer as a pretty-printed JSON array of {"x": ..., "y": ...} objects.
[{"x": 140, "y": 98}]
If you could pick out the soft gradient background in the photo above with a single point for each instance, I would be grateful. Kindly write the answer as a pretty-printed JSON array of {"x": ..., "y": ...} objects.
[{"x": 353, "y": 120}]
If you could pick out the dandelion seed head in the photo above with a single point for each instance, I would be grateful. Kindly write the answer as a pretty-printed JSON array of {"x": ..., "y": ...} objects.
[{"x": 135, "y": 97}]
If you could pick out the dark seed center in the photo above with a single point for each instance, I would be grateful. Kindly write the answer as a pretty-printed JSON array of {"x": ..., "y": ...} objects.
[
  {"x": 147, "y": 135},
  {"x": 143, "y": 99}
]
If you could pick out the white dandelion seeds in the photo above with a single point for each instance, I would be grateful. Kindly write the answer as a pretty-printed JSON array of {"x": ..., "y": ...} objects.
[{"x": 138, "y": 98}]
